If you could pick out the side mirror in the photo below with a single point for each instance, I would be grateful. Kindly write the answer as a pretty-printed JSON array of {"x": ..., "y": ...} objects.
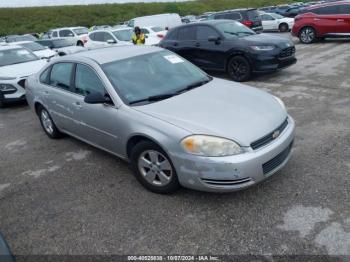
[
  {"x": 214, "y": 39},
  {"x": 111, "y": 41},
  {"x": 97, "y": 98}
]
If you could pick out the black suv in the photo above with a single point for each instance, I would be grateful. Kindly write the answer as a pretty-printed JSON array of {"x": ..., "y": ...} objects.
[
  {"x": 249, "y": 17},
  {"x": 229, "y": 46}
]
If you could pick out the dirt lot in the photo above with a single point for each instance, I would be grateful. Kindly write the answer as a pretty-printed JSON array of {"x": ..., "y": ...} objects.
[{"x": 65, "y": 197}]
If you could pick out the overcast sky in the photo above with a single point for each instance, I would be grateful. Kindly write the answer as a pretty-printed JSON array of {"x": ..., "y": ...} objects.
[{"x": 27, "y": 3}]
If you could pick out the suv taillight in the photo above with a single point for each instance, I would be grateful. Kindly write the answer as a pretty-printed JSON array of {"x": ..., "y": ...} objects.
[
  {"x": 248, "y": 23},
  {"x": 160, "y": 35}
]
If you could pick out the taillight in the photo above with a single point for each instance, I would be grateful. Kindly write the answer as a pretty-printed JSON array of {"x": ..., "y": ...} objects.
[
  {"x": 160, "y": 35},
  {"x": 248, "y": 23}
]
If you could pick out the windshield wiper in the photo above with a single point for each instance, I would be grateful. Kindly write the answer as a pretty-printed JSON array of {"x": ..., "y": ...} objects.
[
  {"x": 194, "y": 85},
  {"x": 153, "y": 98}
]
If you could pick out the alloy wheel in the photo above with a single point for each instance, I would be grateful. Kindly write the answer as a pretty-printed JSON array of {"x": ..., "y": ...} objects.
[
  {"x": 155, "y": 168},
  {"x": 238, "y": 69},
  {"x": 307, "y": 35},
  {"x": 47, "y": 122}
]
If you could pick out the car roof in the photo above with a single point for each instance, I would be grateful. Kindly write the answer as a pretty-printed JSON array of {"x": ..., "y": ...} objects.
[
  {"x": 326, "y": 4},
  {"x": 69, "y": 28},
  {"x": 111, "y": 54},
  {"x": 208, "y": 22},
  {"x": 9, "y": 47}
]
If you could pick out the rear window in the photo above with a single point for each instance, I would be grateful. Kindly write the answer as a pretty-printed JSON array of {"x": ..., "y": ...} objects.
[
  {"x": 157, "y": 29},
  {"x": 253, "y": 14},
  {"x": 81, "y": 31},
  {"x": 187, "y": 33}
]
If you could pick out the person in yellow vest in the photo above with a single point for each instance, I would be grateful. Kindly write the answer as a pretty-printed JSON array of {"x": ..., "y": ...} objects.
[{"x": 138, "y": 37}]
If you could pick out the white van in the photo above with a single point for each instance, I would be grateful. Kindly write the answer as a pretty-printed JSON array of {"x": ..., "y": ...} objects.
[{"x": 163, "y": 20}]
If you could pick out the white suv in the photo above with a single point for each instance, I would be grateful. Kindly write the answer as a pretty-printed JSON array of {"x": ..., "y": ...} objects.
[
  {"x": 16, "y": 64},
  {"x": 102, "y": 38},
  {"x": 77, "y": 33}
]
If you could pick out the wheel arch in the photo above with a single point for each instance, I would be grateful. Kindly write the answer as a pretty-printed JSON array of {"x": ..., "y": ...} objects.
[
  {"x": 136, "y": 139},
  {"x": 308, "y": 25},
  {"x": 237, "y": 53}
]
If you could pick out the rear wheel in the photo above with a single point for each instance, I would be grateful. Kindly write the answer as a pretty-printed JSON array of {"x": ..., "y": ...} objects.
[
  {"x": 307, "y": 35},
  {"x": 80, "y": 43},
  {"x": 153, "y": 168},
  {"x": 48, "y": 124},
  {"x": 283, "y": 27},
  {"x": 239, "y": 69}
]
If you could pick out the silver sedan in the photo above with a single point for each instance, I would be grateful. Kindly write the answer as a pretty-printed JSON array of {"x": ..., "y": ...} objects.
[{"x": 175, "y": 124}]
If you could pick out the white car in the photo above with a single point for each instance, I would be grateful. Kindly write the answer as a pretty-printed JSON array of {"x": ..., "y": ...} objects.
[
  {"x": 16, "y": 64},
  {"x": 166, "y": 21},
  {"x": 62, "y": 46},
  {"x": 79, "y": 34},
  {"x": 154, "y": 34},
  {"x": 271, "y": 21},
  {"x": 37, "y": 49},
  {"x": 103, "y": 38}
]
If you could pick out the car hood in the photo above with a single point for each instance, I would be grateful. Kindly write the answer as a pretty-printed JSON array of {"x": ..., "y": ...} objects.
[
  {"x": 23, "y": 69},
  {"x": 268, "y": 39},
  {"x": 221, "y": 108}
]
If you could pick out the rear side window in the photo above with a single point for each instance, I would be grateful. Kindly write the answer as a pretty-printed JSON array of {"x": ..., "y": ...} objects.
[
  {"x": 233, "y": 16},
  {"x": 87, "y": 82},
  {"x": 220, "y": 16},
  {"x": 99, "y": 36},
  {"x": 204, "y": 32},
  {"x": 54, "y": 34},
  {"x": 92, "y": 36},
  {"x": 327, "y": 10},
  {"x": 61, "y": 75},
  {"x": 187, "y": 33}
]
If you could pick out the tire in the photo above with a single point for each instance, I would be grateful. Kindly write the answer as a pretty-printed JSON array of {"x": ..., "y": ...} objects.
[
  {"x": 307, "y": 35},
  {"x": 153, "y": 168},
  {"x": 283, "y": 27},
  {"x": 239, "y": 69},
  {"x": 80, "y": 44},
  {"x": 47, "y": 124}
]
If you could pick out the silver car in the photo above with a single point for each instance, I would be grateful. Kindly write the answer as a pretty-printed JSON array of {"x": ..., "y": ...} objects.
[{"x": 175, "y": 124}]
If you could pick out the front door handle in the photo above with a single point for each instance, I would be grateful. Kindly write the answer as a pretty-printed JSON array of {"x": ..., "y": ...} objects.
[
  {"x": 340, "y": 20},
  {"x": 317, "y": 19},
  {"x": 197, "y": 44}
]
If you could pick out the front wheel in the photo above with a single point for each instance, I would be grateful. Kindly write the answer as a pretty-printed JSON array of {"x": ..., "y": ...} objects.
[
  {"x": 48, "y": 124},
  {"x": 307, "y": 35},
  {"x": 153, "y": 168},
  {"x": 239, "y": 69}
]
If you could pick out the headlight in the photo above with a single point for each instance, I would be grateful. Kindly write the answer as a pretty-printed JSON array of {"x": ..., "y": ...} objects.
[
  {"x": 262, "y": 47},
  {"x": 280, "y": 102},
  {"x": 203, "y": 145},
  {"x": 7, "y": 88}
]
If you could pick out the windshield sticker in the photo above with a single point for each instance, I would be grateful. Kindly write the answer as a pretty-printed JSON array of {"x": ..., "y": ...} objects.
[{"x": 174, "y": 59}]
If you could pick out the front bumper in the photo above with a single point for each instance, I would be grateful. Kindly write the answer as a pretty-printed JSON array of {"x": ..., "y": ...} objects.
[
  {"x": 232, "y": 173},
  {"x": 272, "y": 64}
]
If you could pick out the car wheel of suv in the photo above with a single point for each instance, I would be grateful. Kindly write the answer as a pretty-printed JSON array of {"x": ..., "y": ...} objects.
[
  {"x": 307, "y": 35},
  {"x": 153, "y": 168},
  {"x": 48, "y": 124},
  {"x": 239, "y": 69},
  {"x": 283, "y": 27}
]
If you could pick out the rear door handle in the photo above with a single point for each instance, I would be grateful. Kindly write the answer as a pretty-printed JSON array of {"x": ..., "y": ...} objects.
[
  {"x": 317, "y": 19},
  {"x": 340, "y": 20}
]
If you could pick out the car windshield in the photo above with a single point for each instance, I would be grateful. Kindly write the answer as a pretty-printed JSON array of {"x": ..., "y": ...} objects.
[
  {"x": 234, "y": 29},
  {"x": 123, "y": 35},
  {"x": 155, "y": 74},
  {"x": 16, "y": 56},
  {"x": 81, "y": 31},
  {"x": 277, "y": 16},
  {"x": 157, "y": 29},
  {"x": 33, "y": 46}
]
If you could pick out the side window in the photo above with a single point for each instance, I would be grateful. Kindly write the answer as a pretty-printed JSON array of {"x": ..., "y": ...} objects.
[
  {"x": 92, "y": 36},
  {"x": 220, "y": 16},
  {"x": 87, "y": 82},
  {"x": 204, "y": 32},
  {"x": 267, "y": 18},
  {"x": 45, "y": 76},
  {"x": 233, "y": 16},
  {"x": 54, "y": 34},
  {"x": 107, "y": 36},
  {"x": 61, "y": 75},
  {"x": 66, "y": 33},
  {"x": 187, "y": 33},
  {"x": 344, "y": 9},
  {"x": 99, "y": 37},
  {"x": 327, "y": 10},
  {"x": 172, "y": 35}
]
